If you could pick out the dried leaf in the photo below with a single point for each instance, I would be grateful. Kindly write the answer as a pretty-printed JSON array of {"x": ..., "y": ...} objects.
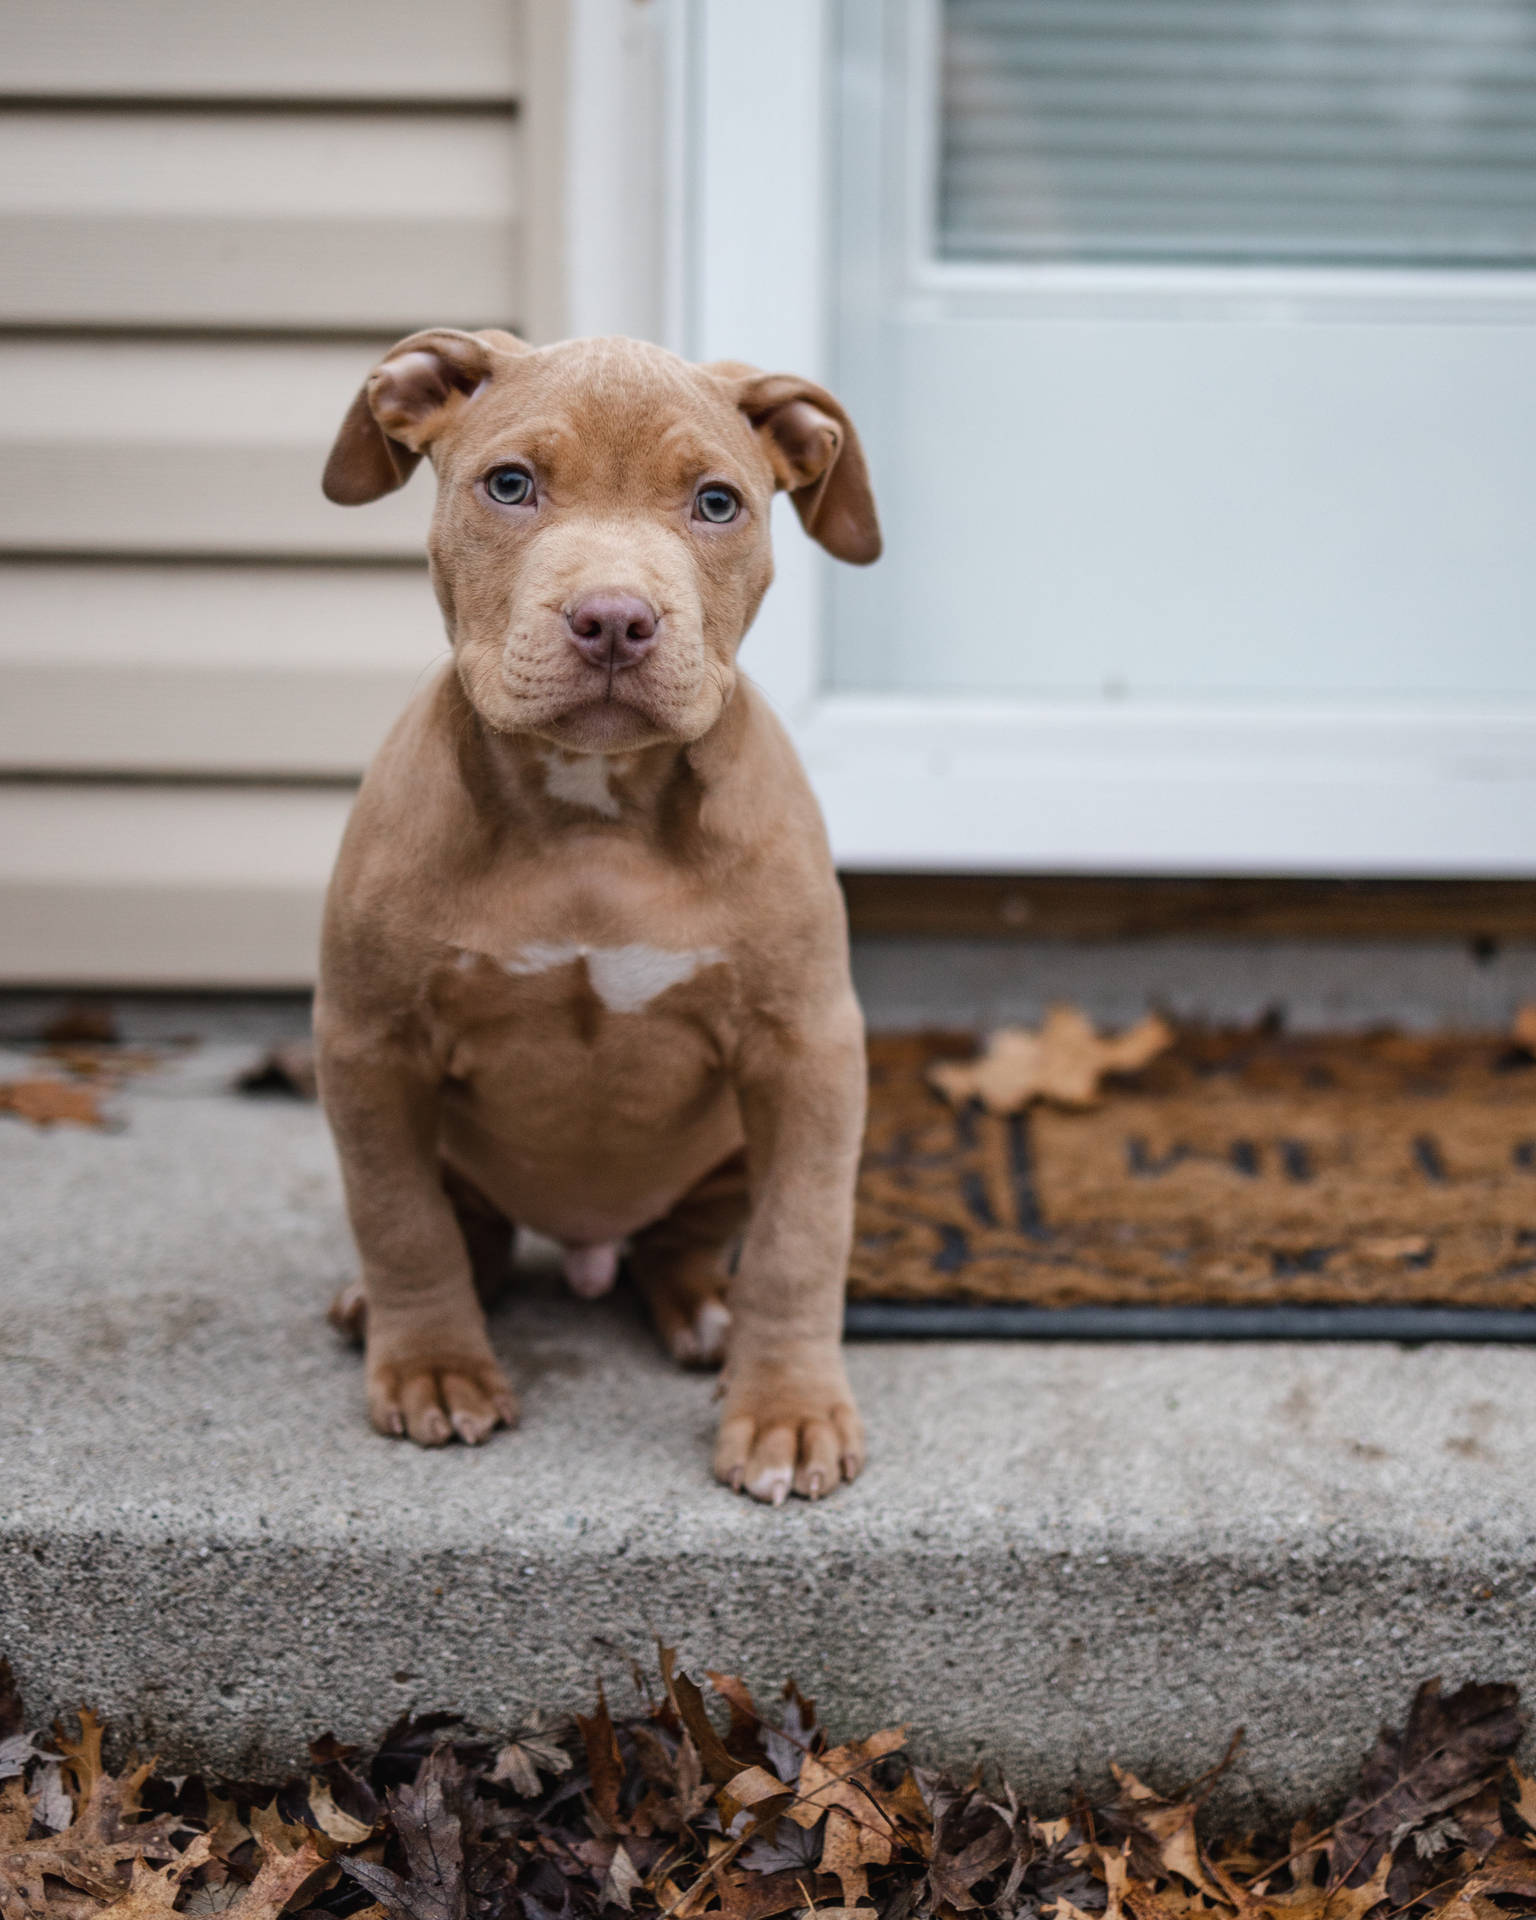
[
  {"x": 688, "y": 1704},
  {"x": 621, "y": 1881},
  {"x": 12, "y": 1720},
  {"x": 831, "y": 1779},
  {"x": 1450, "y": 1747},
  {"x": 1525, "y": 1797},
  {"x": 51, "y": 1804},
  {"x": 288, "y": 1068},
  {"x": 432, "y": 1838},
  {"x": 757, "y": 1896},
  {"x": 604, "y": 1763},
  {"x": 520, "y": 1762},
  {"x": 333, "y": 1820},
  {"x": 46, "y": 1103},
  {"x": 1063, "y": 1062},
  {"x": 87, "y": 1023},
  {"x": 754, "y": 1789},
  {"x": 284, "y": 1878}
]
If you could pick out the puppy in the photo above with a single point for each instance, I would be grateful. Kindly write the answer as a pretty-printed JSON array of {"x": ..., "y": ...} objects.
[{"x": 585, "y": 959}]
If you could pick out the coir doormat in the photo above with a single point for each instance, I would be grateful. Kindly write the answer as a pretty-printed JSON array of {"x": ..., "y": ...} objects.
[{"x": 1242, "y": 1183}]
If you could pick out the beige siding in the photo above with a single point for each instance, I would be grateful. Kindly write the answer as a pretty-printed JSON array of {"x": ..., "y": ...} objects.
[
  {"x": 287, "y": 220},
  {"x": 208, "y": 670},
  {"x": 212, "y": 219},
  {"x": 164, "y": 886},
  {"x": 278, "y": 49},
  {"x": 187, "y": 447}
]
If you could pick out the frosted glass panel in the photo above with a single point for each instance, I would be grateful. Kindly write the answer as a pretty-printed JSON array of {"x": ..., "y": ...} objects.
[{"x": 1387, "y": 132}]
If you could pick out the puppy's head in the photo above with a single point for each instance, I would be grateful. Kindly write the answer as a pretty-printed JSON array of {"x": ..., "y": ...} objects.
[{"x": 600, "y": 543}]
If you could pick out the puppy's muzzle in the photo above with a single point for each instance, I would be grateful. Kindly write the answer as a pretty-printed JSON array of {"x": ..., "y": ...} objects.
[{"x": 612, "y": 631}]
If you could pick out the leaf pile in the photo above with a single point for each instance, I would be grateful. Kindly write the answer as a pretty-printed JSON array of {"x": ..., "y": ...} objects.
[
  {"x": 670, "y": 1812},
  {"x": 80, "y": 1056}
]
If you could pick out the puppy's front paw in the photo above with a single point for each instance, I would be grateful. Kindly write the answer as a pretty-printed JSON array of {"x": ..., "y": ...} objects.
[
  {"x": 778, "y": 1439},
  {"x": 429, "y": 1401}
]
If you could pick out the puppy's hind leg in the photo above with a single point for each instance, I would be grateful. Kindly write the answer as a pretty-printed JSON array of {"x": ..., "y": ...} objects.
[
  {"x": 682, "y": 1265},
  {"x": 488, "y": 1237}
]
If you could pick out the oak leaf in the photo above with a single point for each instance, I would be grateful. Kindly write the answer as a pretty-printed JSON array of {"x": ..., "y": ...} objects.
[
  {"x": 47, "y": 1102},
  {"x": 1063, "y": 1062}
]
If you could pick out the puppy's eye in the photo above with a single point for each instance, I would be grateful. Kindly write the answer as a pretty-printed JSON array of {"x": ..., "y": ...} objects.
[
  {"x": 511, "y": 486},
  {"x": 717, "y": 505}
]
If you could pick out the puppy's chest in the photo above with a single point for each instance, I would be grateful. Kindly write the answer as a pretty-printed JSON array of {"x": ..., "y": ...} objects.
[{"x": 589, "y": 1000}]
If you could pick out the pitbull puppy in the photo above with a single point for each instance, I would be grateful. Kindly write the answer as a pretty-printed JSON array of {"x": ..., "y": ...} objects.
[{"x": 585, "y": 960}]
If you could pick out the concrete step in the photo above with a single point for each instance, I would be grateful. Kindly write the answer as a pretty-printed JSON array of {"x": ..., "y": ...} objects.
[{"x": 1058, "y": 1553}]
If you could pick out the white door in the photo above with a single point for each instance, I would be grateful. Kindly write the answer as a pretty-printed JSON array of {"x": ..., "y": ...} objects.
[{"x": 1195, "y": 346}]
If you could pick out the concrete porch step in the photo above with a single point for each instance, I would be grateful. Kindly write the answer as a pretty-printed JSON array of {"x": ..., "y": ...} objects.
[{"x": 1060, "y": 1552}]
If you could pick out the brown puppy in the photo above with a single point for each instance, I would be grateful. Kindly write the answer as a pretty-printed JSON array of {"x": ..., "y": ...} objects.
[{"x": 585, "y": 962}]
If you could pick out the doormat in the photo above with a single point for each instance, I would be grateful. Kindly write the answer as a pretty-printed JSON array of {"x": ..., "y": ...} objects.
[{"x": 1242, "y": 1183}]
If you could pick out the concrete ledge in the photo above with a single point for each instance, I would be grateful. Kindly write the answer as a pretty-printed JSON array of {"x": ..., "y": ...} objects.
[{"x": 1060, "y": 1552}]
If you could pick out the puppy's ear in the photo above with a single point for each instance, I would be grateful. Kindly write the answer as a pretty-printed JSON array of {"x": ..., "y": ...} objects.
[
  {"x": 404, "y": 404},
  {"x": 816, "y": 457}
]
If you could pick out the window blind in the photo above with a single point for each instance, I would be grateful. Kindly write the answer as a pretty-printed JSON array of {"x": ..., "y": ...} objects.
[{"x": 1385, "y": 132}]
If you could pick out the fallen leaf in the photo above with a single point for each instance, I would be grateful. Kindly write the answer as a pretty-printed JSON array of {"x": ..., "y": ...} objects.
[
  {"x": 1387, "y": 1249},
  {"x": 621, "y": 1881},
  {"x": 1063, "y": 1062},
  {"x": 1450, "y": 1747},
  {"x": 757, "y": 1896},
  {"x": 831, "y": 1779},
  {"x": 604, "y": 1763},
  {"x": 754, "y": 1789},
  {"x": 1168, "y": 1826},
  {"x": 1525, "y": 1797},
  {"x": 46, "y": 1103},
  {"x": 283, "y": 1878},
  {"x": 1523, "y": 1028},
  {"x": 519, "y": 1763},
  {"x": 688, "y": 1704},
  {"x": 432, "y": 1838},
  {"x": 51, "y": 1803},
  {"x": 333, "y": 1820},
  {"x": 288, "y": 1068},
  {"x": 90, "y": 1023}
]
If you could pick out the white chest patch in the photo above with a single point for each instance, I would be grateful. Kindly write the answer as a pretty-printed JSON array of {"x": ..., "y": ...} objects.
[
  {"x": 625, "y": 979},
  {"x": 581, "y": 780}
]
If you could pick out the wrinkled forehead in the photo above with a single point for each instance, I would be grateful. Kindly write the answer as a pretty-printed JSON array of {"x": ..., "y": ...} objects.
[{"x": 614, "y": 415}]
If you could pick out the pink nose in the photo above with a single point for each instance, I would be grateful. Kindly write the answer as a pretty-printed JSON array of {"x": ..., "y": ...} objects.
[{"x": 612, "y": 629}]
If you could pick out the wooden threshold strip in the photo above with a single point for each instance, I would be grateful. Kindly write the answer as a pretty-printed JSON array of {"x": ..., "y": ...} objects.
[{"x": 1099, "y": 907}]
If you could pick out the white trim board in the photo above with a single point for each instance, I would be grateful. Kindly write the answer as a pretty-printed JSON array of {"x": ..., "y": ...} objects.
[{"x": 967, "y": 785}]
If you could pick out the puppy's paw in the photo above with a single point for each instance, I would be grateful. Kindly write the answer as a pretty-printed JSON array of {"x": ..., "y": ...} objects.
[
  {"x": 782, "y": 1440},
  {"x": 693, "y": 1331},
  {"x": 348, "y": 1312},
  {"x": 432, "y": 1401}
]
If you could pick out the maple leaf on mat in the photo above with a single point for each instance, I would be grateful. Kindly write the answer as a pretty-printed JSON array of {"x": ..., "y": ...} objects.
[{"x": 1063, "y": 1063}]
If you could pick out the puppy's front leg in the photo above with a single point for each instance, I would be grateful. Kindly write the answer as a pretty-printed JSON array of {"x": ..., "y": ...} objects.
[
  {"x": 789, "y": 1422},
  {"x": 431, "y": 1372}
]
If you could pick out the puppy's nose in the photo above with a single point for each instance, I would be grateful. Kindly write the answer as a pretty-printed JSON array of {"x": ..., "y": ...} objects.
[{"x": 612, "y": 629}]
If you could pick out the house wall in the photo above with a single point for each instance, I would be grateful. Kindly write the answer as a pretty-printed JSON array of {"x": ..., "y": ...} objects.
[{"x": 214, "y": 217}]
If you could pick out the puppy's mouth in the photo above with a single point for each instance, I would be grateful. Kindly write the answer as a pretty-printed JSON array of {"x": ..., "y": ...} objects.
[{"x": 606, "y": 724}]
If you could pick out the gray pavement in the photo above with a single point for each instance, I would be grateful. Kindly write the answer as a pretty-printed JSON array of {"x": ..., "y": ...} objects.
[{"x": 1058, "y": 1553}]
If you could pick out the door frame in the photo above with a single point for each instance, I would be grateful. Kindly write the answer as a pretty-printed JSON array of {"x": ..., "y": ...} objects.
[{"x": 741, "y": 116}]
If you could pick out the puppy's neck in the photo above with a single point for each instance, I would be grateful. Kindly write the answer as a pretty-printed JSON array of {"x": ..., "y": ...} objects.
[{"x": 552, "y": 789}]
